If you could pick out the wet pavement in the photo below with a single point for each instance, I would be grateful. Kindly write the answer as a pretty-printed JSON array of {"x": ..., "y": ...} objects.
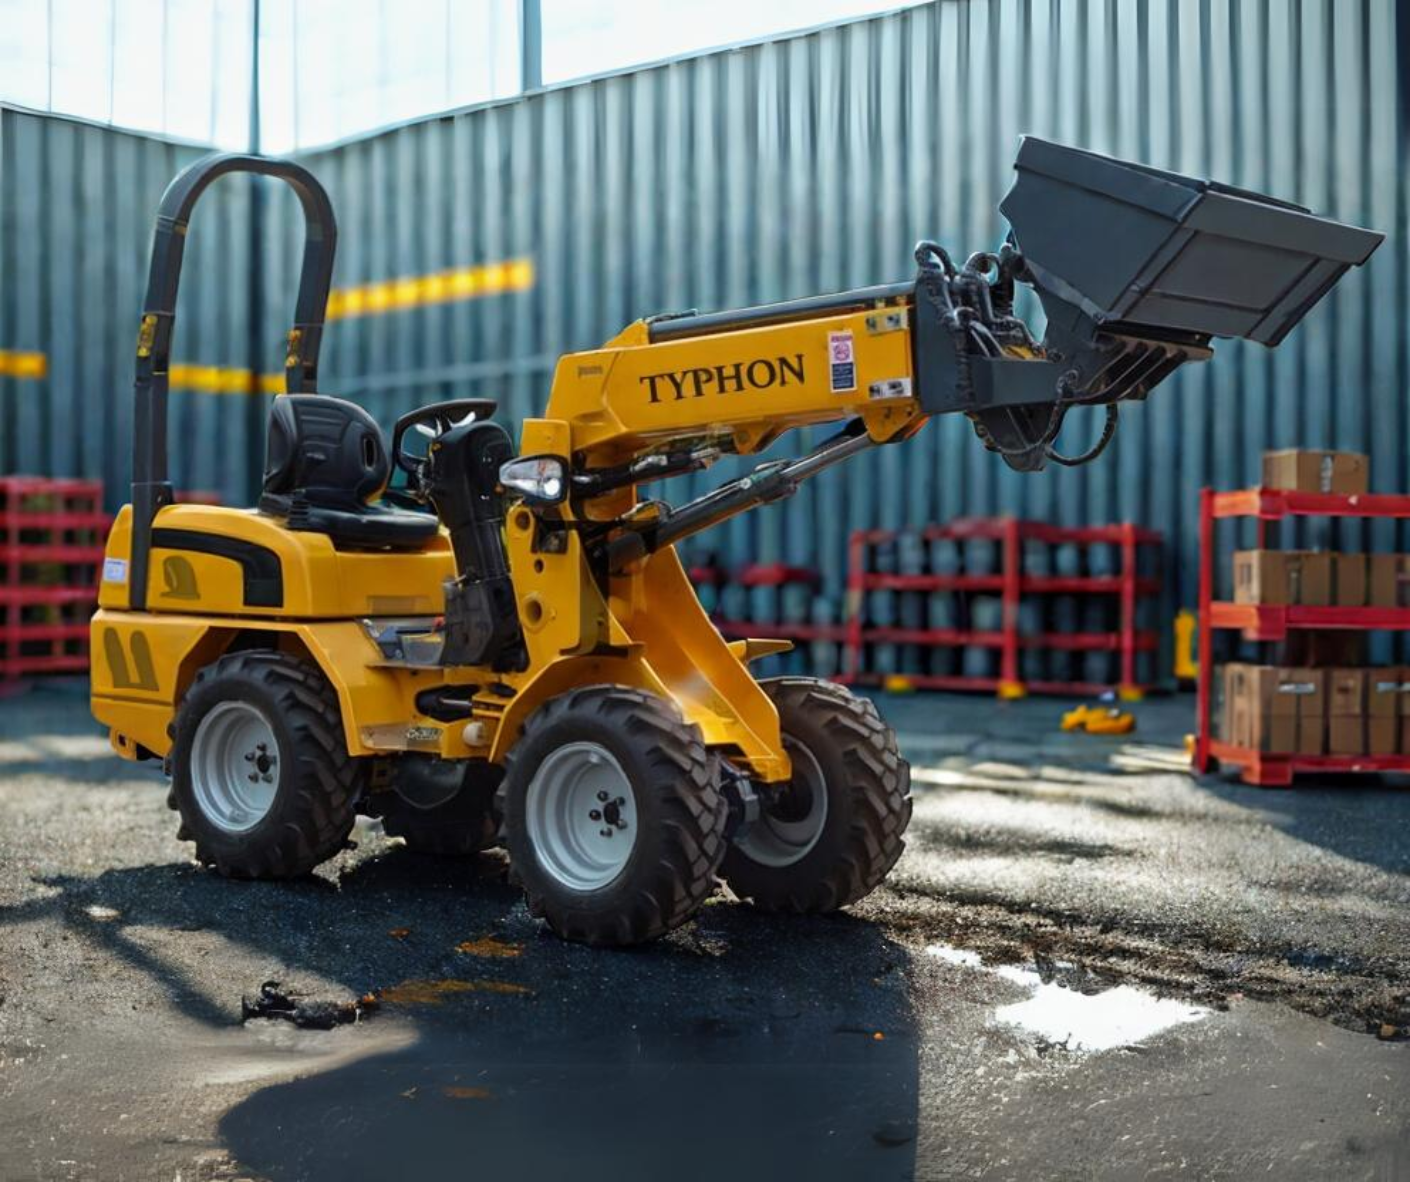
[{"x": 1087, "y": 964}]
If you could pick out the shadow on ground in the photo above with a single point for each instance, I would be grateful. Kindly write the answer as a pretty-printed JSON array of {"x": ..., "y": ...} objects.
[
  {"x": 744, "y": 1045},
  {"x": 1362, "y": 817}
]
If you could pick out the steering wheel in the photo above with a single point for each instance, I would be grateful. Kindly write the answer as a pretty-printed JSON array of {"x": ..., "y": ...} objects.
[{"x": 434, "y": 420}]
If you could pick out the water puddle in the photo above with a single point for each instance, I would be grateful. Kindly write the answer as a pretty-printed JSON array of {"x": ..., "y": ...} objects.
[{"x": 1119, "y": 1017}]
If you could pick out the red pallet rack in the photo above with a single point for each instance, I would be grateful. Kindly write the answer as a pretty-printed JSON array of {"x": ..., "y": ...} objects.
[
  {"x": 1263, "y": 622},
  {"x": 775, "y": 574},
  {"x": 51, "y": 549},
  {"x": 1012, "y": 584}
]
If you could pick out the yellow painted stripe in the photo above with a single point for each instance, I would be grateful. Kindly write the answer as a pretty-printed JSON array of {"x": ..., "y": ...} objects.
[
  {"x": 368, "y": 299},
  {"x": 441, "y": 287},
  {"x": 214, "y": 379},
  {"x": 14, "y": 364}
]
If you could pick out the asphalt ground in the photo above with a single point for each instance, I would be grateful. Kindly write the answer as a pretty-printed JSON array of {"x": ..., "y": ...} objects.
[{"x": 1087, "y": 965}]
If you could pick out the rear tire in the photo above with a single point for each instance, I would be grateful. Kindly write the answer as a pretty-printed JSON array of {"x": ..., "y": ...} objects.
[
  {"x": 831, "y": 835},
  {"x": 261, "y": 774},
  {"x": 613, "y": 816}
]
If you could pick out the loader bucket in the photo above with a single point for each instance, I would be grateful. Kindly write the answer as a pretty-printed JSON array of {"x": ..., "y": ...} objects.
[{"x": 1140, "y": 251}]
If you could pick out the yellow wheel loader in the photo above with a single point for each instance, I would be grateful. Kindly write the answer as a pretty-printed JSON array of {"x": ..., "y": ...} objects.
[{"x": 505, "y": 647}]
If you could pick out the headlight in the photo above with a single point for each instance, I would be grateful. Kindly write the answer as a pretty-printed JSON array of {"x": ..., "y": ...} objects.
[{"x": 542, "y": 480}]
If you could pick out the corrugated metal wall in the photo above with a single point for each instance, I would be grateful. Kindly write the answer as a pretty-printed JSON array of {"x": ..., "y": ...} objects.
[
  {"x": 77, "y": 203},
  {"x": 776, "y": 170}
]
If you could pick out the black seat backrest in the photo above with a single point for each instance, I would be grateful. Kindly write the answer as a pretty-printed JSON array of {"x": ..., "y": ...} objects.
[
  {"x": 325, "y": 463},
  {"x": 327, "y": 450}
]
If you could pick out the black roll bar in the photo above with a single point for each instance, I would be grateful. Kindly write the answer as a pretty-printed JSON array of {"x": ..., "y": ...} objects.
[{"x": 151, "y": 484}]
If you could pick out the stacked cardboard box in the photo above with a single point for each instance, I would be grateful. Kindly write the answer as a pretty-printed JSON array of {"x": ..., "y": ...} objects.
[
  {"x": 1282, "y": 577},
  {"x": 1315, "y": 579},
  {"x": 1305, "y": 711},
  {"x": 1343, "y": 472},
  {"x": 1346, "y": 705},
  {"x": 1384, "y": 689},
  {"x": 1371, "y": 580},
  {"x": 1276, "y": 710},
  {"x": 1319, "y": 699}
]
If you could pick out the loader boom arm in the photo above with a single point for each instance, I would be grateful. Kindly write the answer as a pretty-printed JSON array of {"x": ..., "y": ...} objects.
[
  {"x": 738, "y": 388},
  {"x": 1136, "y": 270}
]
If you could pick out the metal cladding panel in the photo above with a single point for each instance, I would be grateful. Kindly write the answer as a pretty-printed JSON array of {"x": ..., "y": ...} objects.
[
  {"x": 767, "y": 172},
  {"x": 77, "y": 203}
]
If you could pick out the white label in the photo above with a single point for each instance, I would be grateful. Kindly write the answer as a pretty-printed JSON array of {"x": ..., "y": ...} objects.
[
  {"x": 115, "y": 570},
  {"x": 842, "y": 362},
  {"x": 1298, "y": 687},
  {"x": 895, "y": 388}
]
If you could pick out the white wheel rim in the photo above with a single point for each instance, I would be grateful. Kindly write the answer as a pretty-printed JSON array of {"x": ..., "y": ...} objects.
[
  {"x": 791, "y": 818},
  {"x": 581, "y": 816},
  {"x": 234, "y": 766}
]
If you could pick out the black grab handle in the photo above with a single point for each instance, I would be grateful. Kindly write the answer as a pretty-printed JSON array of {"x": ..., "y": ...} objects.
[{"x": 151, "y": 485}]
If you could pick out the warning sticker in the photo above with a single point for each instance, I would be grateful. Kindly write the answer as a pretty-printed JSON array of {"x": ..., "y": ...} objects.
[
  {"x": 114, "y": 570},
  {"x": 842, "y": 356}
]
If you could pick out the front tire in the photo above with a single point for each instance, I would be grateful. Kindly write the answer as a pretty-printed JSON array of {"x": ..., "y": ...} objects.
[
  {"x": 261, "y": 775},
  {"x": 612, "y": 816},
  {"x": 832, "y": 833}
]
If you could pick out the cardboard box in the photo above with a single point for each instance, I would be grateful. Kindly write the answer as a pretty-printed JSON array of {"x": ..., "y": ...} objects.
[
  {"x": 1312, "y": 735},
  {"x": 1381, "y": 736},
  {"x": 1259, "y": 711},
  {"x": 1346, "y": 692},
  {"x": 1226, "y": 707},
  {"x": 1349, "y": 580},
  {"x": 1402, "y": 708},
  {"x": 1260, "y": 731},
  {"x": 1383, "y": 694},
  {"x": 1383, "y": 572},
  {"x": 1307, "y": 688},
  {"x": 1346, "y": 711},
  {"x": 1342, "y": 472},
  {"x": 1260, "y": 576},
  {"x": 1310, "y": 578},
  {"x": 1346, "y": 735},
  {"x": 1281, "y": 577}
]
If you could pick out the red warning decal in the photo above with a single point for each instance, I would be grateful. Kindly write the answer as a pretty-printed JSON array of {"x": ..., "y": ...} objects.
[{"x": 843, "y": 358}]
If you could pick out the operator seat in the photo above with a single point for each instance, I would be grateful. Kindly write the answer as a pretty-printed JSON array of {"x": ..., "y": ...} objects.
[{"x": 325, "y": 462}]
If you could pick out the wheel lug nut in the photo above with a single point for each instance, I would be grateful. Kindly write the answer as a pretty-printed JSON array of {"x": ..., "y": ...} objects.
[
  {"x": 267, "y": 778},
  {"x": 249, "y": 757},
  {"x": 254, "y": 777},
  {"x": 594, "y": 815},
  {"x": 606, "y": 833},
  {"x": 602, "y": 796},
  {"x": 621, "y": 800}
]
